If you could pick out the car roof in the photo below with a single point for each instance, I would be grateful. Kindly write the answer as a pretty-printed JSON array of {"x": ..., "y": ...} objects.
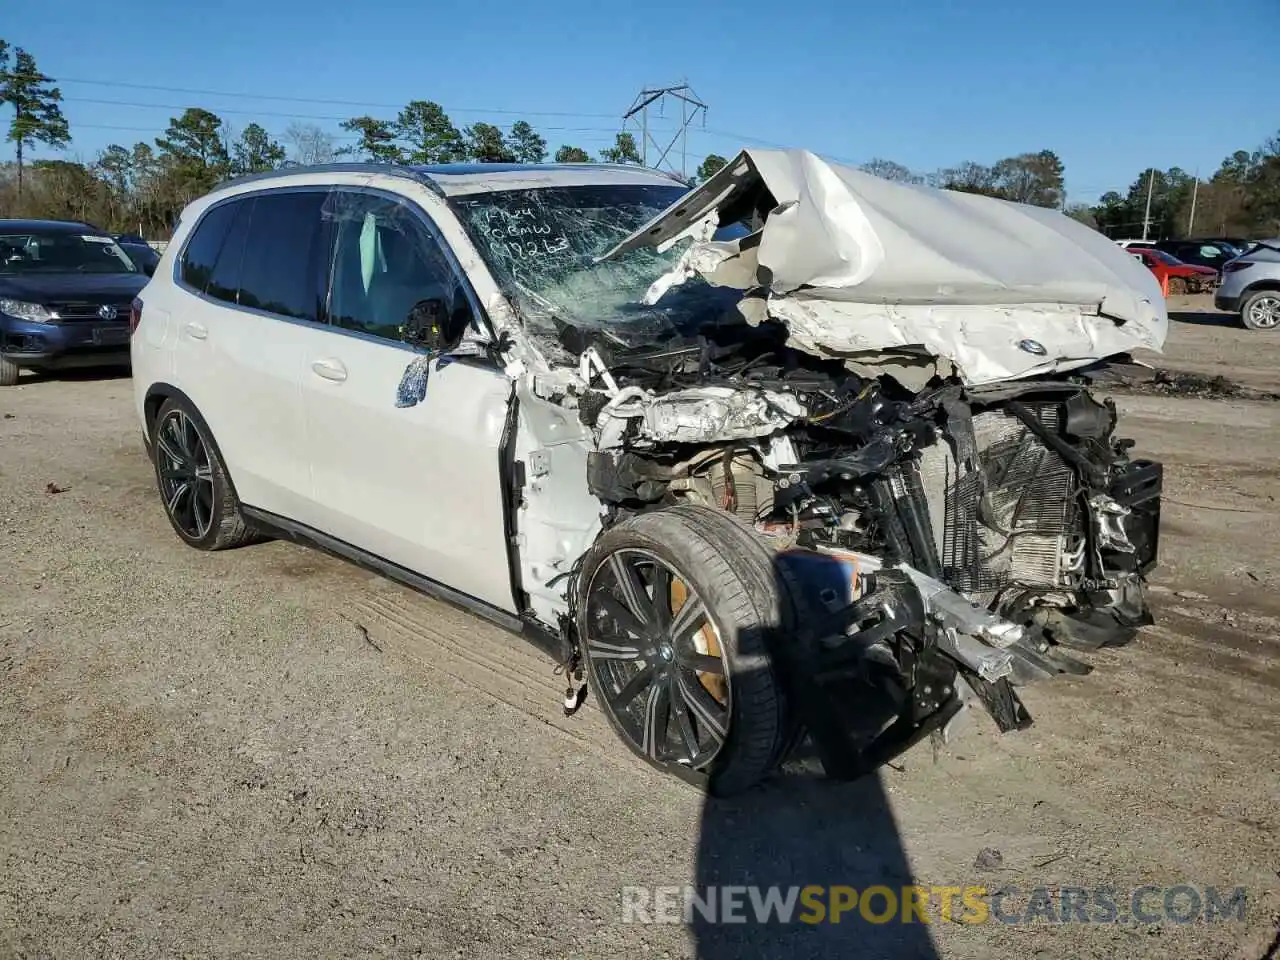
[
  {"x": 453, "y": 179},
  {"x": 49, "y": 226}
]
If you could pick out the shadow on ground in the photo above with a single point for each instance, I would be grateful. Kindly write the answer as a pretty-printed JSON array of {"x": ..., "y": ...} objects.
[
  {"x": 74, "y": 375},
  {"x": 1206, "y": 318},
  {"x": 826, "y": 843},
  {"x": 798, "y": 832}
]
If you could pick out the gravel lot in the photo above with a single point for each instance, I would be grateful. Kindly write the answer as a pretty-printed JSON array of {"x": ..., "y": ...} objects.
[{"x": 268, "y": 752}]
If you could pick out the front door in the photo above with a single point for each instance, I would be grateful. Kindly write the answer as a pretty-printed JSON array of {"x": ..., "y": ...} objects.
[{"x": 419, "y": 483}]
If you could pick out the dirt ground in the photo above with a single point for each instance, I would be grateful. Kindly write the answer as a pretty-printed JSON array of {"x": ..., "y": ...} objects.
[{"x": 270, "y": 753}]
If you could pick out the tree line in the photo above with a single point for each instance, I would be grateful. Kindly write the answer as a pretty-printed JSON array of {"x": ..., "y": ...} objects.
[{"x": 144, "y": 187}]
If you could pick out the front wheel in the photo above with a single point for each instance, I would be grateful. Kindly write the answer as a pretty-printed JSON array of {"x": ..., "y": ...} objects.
[
  {"x": 8, "y": 372},
  {"x": 678, "y": 611}
]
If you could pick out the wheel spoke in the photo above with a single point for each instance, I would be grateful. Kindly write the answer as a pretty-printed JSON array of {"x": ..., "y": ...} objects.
[
  {"x": 691, "y": 618},
  {"x": 166, "y": 447},
  {"x": 202, "y": 507},
  {"x": 701, "y": 662},
  {"x": 622, "y": 615},
  {"x": 633, "y": 592},
  {"x": 709, "y": 714},
  {"x": 661, "y": 588},
  {"x": 631, "y": 688},
  {"x": 179, "y": 489},
  {"x": 681, "y": 713},
  {"x": 191, "y": 439},
  {"x": 657, "y": 713},
  {"x": 600, "y": 650}
]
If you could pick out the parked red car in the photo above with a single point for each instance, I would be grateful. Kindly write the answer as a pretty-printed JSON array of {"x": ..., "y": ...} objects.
[{"x": 1175, "y": 276}]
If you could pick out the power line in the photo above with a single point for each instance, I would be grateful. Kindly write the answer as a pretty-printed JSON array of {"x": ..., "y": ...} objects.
[
  {"x": 279, "y": 115},
  {"x": 163, "y": 88}
]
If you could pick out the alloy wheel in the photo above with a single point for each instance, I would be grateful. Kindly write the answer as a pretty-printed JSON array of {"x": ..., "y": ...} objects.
[
  {"x": 186, "y": 476},
  {"x": 659, "y": 659},
  {"x": 1265, "y": 312}
]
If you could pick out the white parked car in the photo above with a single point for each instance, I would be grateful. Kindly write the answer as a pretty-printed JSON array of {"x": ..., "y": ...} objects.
[{"x": 800, "y": 453}]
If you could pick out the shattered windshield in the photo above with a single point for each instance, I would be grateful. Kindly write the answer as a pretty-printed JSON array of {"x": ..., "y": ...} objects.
[{"x": 541, "y": 246}]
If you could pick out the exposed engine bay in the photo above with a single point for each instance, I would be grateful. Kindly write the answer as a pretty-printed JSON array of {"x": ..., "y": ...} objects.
[
  {"x": 1016, "y": 517},
  {"x": 948, "y": 505}
]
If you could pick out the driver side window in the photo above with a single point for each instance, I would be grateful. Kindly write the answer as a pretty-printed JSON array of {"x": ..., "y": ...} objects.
[{"x": 389, "y": 278}]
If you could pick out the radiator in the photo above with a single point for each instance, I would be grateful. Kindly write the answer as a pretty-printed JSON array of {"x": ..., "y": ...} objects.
[{"x": 1008, "y": 522}]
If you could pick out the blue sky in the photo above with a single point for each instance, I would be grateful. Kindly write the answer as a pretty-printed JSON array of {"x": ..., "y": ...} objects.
[{"x": 1111, "y": 86}]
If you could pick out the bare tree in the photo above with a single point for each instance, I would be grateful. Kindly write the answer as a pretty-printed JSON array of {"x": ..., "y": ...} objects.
[{"x": 309, "y": 144}]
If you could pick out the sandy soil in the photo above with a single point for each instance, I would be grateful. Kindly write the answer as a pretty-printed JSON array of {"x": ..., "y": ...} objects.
[{"x": 204, "y": 755}]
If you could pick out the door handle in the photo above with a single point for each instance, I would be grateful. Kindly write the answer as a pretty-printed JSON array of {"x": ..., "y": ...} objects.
[
  {"x": 196, "y": 331},
  {"x": 329, "y": 370}
]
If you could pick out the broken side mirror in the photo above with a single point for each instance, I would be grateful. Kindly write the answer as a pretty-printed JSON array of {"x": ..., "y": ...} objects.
[{"x": 425, "y": 324}]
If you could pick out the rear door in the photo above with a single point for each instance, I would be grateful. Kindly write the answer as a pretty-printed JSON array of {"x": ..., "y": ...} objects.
[
  {"x": 413, "y": 481},
  {"x": 240, "y": 349}
]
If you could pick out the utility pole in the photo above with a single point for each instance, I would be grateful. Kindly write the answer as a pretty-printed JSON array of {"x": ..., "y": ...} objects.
[
  {"x": 1191, "y": 220},
  {"x": 690, "y": 108},
  {"x": 1146, "y": 217}
]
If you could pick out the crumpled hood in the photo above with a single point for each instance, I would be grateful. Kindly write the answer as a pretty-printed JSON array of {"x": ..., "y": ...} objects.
[{"x": 860, "y": 267}]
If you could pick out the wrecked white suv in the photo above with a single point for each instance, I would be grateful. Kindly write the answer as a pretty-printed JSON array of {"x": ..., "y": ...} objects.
[{"x": 800, "y": 455}]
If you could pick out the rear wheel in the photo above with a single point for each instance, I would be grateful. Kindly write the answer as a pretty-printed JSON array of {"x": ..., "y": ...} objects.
[
  {"x": 198, "y": 497},
  {"x": 1261, "y": 310},
  {"x": 677, "y": 617},
  {"x": 8, "y": 372}
]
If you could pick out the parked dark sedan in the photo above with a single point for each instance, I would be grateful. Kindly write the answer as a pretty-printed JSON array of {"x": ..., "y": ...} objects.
[
  {"x": 65, "y": 297},
  {"x": 143, "y": 255},
  {"x": 1200, "y": 253}
]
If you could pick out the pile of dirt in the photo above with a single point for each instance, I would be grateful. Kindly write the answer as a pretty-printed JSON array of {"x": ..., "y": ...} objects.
[{"x": 1173, "y": 383}]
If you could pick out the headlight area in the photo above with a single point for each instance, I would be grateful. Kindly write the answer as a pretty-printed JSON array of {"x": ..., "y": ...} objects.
[{"x": 22, "y": 310}]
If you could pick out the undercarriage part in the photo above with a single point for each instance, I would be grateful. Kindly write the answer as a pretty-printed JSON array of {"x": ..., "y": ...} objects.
[
  {"x": 738, "y": 486},
  {"x": 1002, "y": 702},
  {"x": 866, "y": 681}
]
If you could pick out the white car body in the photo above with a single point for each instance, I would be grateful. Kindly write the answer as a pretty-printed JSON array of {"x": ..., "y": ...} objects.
[{"x": 465, "y": 471}]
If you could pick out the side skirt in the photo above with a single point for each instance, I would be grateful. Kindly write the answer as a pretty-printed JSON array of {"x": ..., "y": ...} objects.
[{"x": 295, "y": 532}]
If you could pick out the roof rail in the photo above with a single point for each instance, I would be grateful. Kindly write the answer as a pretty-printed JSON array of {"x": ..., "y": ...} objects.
[{"x": 385, "y": 169}]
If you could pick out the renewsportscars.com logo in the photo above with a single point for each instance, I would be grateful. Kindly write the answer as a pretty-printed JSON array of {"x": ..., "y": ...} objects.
[{"x": 816, "y": 904}]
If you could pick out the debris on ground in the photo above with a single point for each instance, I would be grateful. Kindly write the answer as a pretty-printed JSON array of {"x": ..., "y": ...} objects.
[
  {"x": 52, "y": 488},
  {"x": 989, "y": 858},
  {"x": 1173, "y": 383}
]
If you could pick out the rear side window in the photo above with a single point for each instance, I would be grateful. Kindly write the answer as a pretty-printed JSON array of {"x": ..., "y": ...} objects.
[
  {"x": 224, "y": 284},
  {"x": 280, "y": 271},
  {"x": 202, "y": 249}
]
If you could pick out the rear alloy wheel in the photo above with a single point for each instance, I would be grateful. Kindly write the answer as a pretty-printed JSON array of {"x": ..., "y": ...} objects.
[
  {"x": 675, "y": 617},
  {"x": 1261, "y": 311},
  {"x": 197, "y": 493}
]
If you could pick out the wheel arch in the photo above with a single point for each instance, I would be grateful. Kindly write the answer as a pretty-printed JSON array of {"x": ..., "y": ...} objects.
[
  {"x": 155, "y": 398},
  {"x": 1268, "y": 283}
]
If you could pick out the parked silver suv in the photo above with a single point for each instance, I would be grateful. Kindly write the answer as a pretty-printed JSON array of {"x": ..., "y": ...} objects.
[{"x": 1251, "y": 286}]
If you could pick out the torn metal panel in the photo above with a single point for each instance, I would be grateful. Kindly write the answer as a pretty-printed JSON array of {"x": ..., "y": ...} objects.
[{"x": 852, "y": 263}]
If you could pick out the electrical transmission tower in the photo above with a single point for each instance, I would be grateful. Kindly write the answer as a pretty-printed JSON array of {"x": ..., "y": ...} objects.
[{"x": 690, "y": 108}]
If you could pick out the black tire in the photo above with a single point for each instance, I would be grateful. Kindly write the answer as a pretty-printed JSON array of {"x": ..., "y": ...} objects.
[
  {"x": 8, "y": 372},
  {"x": 1256, "y": 319},
  {"x": 207, "y": 515},
  {"x": 726, "y": 568}
]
